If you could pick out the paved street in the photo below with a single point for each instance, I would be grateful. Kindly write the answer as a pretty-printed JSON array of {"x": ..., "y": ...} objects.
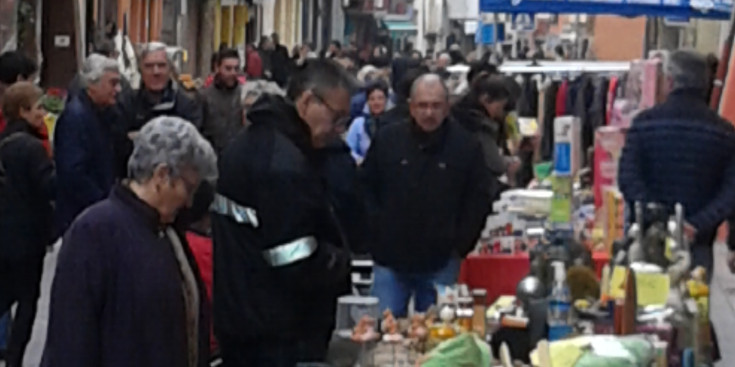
[{"x": 723, "y": 309}]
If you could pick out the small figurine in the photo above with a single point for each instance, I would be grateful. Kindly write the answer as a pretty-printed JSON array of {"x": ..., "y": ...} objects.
[
  {"x": 389, "y": 325},
  {"x": 364, "y": 331},
  {"x": 418, "y": 329},
  {"x": 389, "y": 328}
]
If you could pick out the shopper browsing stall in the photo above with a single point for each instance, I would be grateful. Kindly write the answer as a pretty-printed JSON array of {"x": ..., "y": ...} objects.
[
  {"x": 277, "y": 270},
  {"x": 682, "y": 152},
  {"x": 427, "y": 188}
]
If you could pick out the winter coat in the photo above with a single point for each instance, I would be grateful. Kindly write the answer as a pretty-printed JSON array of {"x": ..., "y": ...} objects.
[
  {"x": 85, "y": 157},
  {"x": 271, "y": 168},
  {"x": 117, "y": 297},
  {"x": 681, "y": 152},
  {"x": 223, "y": 114},
  {"x": 138, "y": 109},
  {"x": 427, "y": 195},
  {"x": 27, "y": 188}
]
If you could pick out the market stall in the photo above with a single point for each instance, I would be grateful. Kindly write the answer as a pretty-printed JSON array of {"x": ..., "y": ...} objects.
[{"x": 500, "y": 274}]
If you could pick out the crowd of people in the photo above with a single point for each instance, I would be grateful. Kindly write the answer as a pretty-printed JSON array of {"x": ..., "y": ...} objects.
[{"x": 194, "y": 227}]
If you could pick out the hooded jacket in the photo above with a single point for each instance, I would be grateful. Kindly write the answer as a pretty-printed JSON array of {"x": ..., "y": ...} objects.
[{"x": 272, "y": 169}]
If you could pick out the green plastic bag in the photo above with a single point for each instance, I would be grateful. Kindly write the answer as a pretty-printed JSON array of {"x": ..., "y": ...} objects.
[{"x": 466, "y": 350}]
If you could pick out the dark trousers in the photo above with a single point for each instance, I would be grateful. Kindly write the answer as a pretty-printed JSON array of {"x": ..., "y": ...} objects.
[{"x": 20, "y": 282}]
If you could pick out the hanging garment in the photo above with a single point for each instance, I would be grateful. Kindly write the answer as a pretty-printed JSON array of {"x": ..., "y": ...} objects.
[
  {"x": 561, "y": 99},
  {"x": 547, "y": 126},
  {"x": 611, "y": 94}
]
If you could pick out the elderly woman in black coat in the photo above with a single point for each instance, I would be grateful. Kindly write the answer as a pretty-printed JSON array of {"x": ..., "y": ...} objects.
[
  {"x": 26, "y": 191},
  {"x": 127, "y": 291}
]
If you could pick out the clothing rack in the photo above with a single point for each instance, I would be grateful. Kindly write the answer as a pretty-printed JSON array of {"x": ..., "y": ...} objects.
[
  {"x": 521, "y": 67},
  {"x": 526, "y": 67}
]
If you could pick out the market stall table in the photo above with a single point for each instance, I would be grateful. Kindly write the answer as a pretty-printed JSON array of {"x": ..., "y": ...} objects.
[{"x": 500, "y": 273}]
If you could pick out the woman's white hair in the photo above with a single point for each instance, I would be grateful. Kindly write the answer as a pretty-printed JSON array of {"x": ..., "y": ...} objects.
[
  {"x": 175, "y": 143},
  {"x": 95, "y": 66}
]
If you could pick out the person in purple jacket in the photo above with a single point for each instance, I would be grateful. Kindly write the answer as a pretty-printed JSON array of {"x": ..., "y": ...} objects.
[{"x": 127, "y": 291}]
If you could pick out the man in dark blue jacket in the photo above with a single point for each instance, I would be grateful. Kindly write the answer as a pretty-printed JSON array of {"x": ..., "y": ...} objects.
[
  {"x": 683, "y": 152},
  {"x": 83, "y": 141}
]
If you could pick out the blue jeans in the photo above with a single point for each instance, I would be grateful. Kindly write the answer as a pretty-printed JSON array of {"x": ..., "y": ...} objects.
[{"x": 394, "y": 289}]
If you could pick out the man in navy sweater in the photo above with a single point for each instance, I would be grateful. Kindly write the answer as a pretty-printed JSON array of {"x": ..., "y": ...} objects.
[{"x": 683, "y": 152}]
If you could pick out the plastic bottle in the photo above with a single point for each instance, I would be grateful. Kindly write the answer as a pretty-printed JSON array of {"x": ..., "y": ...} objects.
[{"x": 560, "y": 318}]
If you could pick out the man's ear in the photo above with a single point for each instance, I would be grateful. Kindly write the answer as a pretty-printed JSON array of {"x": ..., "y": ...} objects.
[{"x": 302, "y": 102}]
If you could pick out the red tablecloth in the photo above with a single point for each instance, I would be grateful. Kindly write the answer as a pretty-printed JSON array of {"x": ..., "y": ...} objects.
[{"x": 499, "y": 273}]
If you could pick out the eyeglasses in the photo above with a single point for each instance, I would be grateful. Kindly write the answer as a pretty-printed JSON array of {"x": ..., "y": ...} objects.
[{"x": 339, "y": 119}]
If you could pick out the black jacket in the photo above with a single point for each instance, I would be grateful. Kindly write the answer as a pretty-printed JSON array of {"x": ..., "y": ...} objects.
[
  {"x": 272, "y": 168},
  {"x": 137, "y": 109},
  {"x": 27, "y": 187},
  {"x": 341, "y": 177},
  {"x": 427, "y": 195}
]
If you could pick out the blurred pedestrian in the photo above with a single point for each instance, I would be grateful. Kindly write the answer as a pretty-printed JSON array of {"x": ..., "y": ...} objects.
[
  {"x": 126, "y": 290},
  {"x": 222, "y": 102},
  {"x": 281, "y": 63},
  {"x": 14, "y": 67},
  {"x": 482, "y": 112},
  {"x": 158, "y": 95},
  {"x": 266, "y": 56},
  {"x": 84, "y": 141},
  {"x": 253, "y": 64},
  {"x": 279, "y": 269},
  {"x": 27, "y": 189},
  {"x": 427, "y": 189},
  {"x": 683, "y": 152},
  {"x": 107, "y": 49},
  {"x": 364, "y": 128}
]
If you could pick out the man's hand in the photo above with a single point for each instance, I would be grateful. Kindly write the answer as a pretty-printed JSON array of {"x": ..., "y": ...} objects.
[{"x": 514, "y": 166}]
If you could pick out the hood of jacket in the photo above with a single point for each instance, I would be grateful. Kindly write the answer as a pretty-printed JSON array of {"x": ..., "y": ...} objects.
[{"x": 282, "y": 115}]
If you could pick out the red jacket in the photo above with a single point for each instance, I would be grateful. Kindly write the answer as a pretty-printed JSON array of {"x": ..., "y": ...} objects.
[
  {"x": 201, "y": 247},
  {"x": 254, "y": 66}
]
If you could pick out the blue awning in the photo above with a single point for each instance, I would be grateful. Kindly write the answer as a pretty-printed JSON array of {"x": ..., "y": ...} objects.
[{"x": 712, "y": 9}]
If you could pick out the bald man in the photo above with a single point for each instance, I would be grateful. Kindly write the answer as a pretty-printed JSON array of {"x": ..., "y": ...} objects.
[{"x": 428, "y": 197}]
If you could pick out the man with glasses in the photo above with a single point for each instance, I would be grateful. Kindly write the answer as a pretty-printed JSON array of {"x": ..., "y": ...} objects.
[
  {"x": 427, "y": 190},
  {"x": 278, "y": 266}
]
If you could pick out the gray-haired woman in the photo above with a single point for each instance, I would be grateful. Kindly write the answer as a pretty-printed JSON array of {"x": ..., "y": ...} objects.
[{"x": 126, "y": 290}]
